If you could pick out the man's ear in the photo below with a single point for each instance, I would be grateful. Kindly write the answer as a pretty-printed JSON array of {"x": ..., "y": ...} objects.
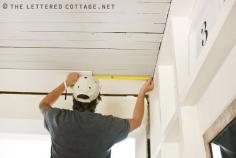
[
  {"x": 73, "y": 97},
  {"x": 99, "y": 97}
]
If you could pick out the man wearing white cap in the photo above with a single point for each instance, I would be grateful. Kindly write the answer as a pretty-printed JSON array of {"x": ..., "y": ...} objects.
[{"x": 81, "y": 133}]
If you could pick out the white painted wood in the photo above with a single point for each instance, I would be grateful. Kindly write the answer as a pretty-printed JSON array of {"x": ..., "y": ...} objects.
[
  {"x": 155, "y": 118},
  {"x": 80, "y": 17},
  {"x": 77, "y": 36},
  {"x": 209, "y": 98},
  {"x": 125, "y": 12},
  {"x": 170, "y": 150},
  {"x": 118, "y": 6},
  {"x": 104, "y": 62},
  {"x": 213, "y": 55},
  {"x": 122, "y": 44},
  {"x": 191, "y": 137},
  {"x": 180, "y": 27},
  {"x": 172, "y": 132},
  {"x": 26, "y": 105},
  {"x": 104, "y": 69},
  {"x": 167, "y": 50},
  {"x": 163, "y": 109},
  {"x": 131, "y": 26},
  {"x": 81, "y": 40},
  {"x": 153, "y": 1},
  {"x": 73, "y": 52},
  {"x": 46, "y": 80},
  {"x": 120, "y": 86},
  {"x": 32, "y": 81},
  {"x": 67, "y": 27},
  {"x": 167, "y": 95},
  {"x": 219, "y": 94},
  {"x": 208, "y": 12}
]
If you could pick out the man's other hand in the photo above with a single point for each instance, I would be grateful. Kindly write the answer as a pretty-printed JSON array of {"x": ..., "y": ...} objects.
[
  {"x": 72, "y": 78},
  {"x": 147, "y": 86}
]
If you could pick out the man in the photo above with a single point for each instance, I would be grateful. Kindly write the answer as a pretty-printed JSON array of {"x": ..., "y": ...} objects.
[{"x": 81, "y": 133}]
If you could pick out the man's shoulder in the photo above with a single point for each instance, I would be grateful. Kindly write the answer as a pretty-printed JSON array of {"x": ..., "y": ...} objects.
[
  {"x": 109, "y": 118},
  {"x": 102, "y": 116},
  {"x": 53, "y": 111}
]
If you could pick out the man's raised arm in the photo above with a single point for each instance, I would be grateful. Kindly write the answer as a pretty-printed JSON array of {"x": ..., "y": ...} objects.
[
  {"x": 138, "y": 113},
  {"x": 52, "y": 97}
]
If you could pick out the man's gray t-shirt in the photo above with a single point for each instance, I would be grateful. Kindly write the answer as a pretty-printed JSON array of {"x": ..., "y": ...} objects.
[{"x": 77, "y": 134}]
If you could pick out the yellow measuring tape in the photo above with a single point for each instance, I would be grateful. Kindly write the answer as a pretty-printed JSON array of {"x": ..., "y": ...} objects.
[{"x": 123, "y": 77}]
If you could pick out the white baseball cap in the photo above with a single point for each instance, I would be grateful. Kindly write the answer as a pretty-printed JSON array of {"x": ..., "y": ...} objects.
[{"x": 86, "y": 89}]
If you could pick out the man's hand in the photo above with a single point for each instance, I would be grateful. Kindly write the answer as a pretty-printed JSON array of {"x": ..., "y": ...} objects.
[
  {"x": 147, "y": 86},
  {"x": 72, "y": 78}
]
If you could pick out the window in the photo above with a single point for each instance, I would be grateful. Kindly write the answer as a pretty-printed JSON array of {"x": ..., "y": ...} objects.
[
  {"x": 124, "y": 149},
  {"x": 25, "y": 146},
  {"x": 216, "y": 150}
]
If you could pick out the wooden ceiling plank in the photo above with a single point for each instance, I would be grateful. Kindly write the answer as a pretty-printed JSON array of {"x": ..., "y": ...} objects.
[
  {"x": 118, "y": 7},
  {"x": 125, "y": 44},
  {"x": 14, "y": 35},
  {"x": 91, "y": 18},
  {"x": 138, "y": 27},
  {"x": 154, "y": 1},
  {"x": 18, "y": 53},
  {"x": 146, "y": 12},
  {"x": 105, "y": 69},
  {"x": 82, "y": 59}
]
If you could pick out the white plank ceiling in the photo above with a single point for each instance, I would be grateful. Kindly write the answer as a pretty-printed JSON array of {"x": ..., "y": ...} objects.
[{"x": 121, "y": 40}]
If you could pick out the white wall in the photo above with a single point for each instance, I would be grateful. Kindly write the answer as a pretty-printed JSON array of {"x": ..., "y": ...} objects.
[
  {"x": 204, "y": 88},
  {"x": 219, "y": 94},
  {"x": 170, "y": 150},
  {"x": 191, "y": 141}
]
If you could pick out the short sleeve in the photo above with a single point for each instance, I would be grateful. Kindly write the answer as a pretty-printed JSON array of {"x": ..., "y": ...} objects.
[
  {"x": 50, "y": 119},
  {"x": 118, "y": 129}
]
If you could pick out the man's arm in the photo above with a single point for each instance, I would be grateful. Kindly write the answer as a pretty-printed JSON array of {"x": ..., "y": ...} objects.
[
  {"x": 52, "y": 97},
  {"x": 138, "y": 113}
]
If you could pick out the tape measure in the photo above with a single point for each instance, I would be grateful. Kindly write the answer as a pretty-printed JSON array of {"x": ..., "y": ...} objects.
[{"x": 123, "y": 77}]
